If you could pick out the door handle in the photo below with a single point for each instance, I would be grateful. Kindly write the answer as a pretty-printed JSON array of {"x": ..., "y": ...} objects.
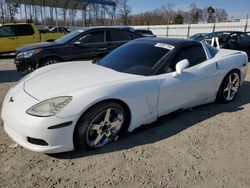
[
  {"x": 12, "y": 38},
  {"x": 102, "y": 49}
]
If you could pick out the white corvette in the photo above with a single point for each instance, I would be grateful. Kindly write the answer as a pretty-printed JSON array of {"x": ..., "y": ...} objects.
[{"x": 86, "y": 105}]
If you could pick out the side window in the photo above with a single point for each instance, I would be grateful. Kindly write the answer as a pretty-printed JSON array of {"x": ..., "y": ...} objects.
[
  {"x": 92, "y": 37},
  {"x": 194, "y": 54},
  {"x": 134, "y": 36},
  {"x": 24, "y": 30},
  {"x": 244, "y": 39},
  {"x": 116, "y": 35},
  {"x": 7, "y": 31}
]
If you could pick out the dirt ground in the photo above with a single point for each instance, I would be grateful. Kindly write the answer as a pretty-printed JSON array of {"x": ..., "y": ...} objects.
[{"x": 208, "y": 146}]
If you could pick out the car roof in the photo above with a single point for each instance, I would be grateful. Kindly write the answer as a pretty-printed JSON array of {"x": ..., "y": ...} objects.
[
  {"x": 12, "y": 23},
  {"x": 171, "y": 41},
  {"x": 108, "y": 27},
  {"x": 223, "y": 32}
]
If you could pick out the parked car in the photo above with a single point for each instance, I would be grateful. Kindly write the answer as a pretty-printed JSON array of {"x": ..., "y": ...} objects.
[
  {"x": 199, "y": 36},
  {"x": 238, "y": 41},
  {"x": 89, "y": 43},
  {"x": 14, "y": 35},
  {"x": 222, "y": 36},
  {"x": 65, "y": 30},
  {"x": 145, "y": 32},
  {"x": 86, "y": 106}
]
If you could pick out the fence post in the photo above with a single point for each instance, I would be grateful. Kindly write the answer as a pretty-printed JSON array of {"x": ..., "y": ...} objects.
[
  {"x": 246, "y": 24},
  {"x": 214, "y": 27},
  {"x": 167, "y": 31},
  {"x": 188, "y": 31}
]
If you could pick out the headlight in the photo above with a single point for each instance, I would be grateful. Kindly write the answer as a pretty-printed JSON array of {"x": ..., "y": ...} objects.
[
  {"x": 28, "y": 54},
  {"x": 49, "y": 107}
]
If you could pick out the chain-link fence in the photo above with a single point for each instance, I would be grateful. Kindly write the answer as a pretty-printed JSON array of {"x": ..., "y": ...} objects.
[{"x": 187, "y": 30}]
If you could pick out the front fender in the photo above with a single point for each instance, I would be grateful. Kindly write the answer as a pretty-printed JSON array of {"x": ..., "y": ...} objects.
[{"x": 139, "y": 95}]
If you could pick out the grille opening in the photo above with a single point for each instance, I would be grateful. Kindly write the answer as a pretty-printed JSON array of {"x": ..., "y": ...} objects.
[{"x": 37, "y": 141}]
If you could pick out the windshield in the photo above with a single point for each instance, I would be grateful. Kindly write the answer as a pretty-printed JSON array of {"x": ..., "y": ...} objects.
[
  {"x": 69, "y": 37},
  {"x": 135, "y": 58}
]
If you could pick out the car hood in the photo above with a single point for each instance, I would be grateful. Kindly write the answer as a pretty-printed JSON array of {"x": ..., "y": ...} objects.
[
  {"x": 55, "y": 80},
  {"x": 38, "y": 46}
]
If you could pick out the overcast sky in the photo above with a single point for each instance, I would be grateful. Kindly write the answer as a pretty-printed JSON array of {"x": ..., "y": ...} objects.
[{"x": 235, "y": 8}]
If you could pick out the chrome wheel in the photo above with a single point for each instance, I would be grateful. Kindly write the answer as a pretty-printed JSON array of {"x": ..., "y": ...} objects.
[
  {"x": 104, "y": 127},
  {"x": 231, "y": 87}
]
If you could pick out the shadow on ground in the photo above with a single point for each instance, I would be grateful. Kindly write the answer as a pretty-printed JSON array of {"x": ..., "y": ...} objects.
[
  {"x": 8, "y": 56},
  {"x": 167, "y": 126},
  {"x": 10, "y": 76}
]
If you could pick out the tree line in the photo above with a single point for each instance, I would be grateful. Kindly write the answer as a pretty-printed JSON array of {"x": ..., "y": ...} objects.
[
  {"x": 168, "y": 15},
  {"x": 96, "y": 14}
]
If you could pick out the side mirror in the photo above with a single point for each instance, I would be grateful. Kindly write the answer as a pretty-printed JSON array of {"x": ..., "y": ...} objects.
[{"x": 180, "y": 66}]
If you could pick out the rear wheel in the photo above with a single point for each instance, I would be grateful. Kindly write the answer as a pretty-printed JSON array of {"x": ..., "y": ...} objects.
[
  {"x": 229, "y": 87},
  {"x": 99, "y": 126}
]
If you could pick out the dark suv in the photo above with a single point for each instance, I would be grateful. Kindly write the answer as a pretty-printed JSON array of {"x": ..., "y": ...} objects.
[{"x": 86, "y": 44}]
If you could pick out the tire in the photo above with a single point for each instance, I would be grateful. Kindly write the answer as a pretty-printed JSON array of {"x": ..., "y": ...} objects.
[
  {"x": 229, "y": 87},
  {"x": 50, "y": 61},
  {"x": 99, "y": 126}
]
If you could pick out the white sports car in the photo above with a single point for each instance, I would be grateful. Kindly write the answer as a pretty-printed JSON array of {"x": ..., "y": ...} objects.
[{"x": 84, "y": 105}]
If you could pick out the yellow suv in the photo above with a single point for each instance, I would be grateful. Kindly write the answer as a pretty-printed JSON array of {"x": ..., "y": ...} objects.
[{"x": 14, "y": 35}]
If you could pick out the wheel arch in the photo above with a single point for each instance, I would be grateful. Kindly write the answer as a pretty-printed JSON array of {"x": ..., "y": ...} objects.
[
  {"x": 47, "y": 57},
  {"x": 116, "y": 100},
  {"x": 232, "y": 70},
  {"x": 228, "y": 72}
]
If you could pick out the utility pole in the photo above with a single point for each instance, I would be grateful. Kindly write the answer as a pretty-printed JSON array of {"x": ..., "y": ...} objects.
[{"x": 246, "y": 24}]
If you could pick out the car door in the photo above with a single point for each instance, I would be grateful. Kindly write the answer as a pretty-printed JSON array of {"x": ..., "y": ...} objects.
[
  {"x": 116, "y": 38},
  {"x": 25, "y": 35},
  {"x": 89, "y": 45},
  {"x": 193, "y": 87},
  {"x": 8, "y": 42},
  {"x": 240, "y": 41}
]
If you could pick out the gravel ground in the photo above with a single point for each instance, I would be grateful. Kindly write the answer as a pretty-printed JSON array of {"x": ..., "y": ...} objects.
[{"x": 208, "y": 146}]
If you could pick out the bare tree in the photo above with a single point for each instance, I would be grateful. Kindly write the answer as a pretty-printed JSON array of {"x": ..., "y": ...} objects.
[
  {"x": 111, "y": 11},
  {"x": 2, "y": 3},
  {"x": 64, "y": 15},
  {"x": 169, "y": 12},
  {"x": 124, "y": 10},
  {"x": 51, "y": 9},
  {"x": 210, "y": 11},
  {"x": 195, "y": 13},
  {"x": 178, "y": 19},
  {"x": 221, "y": 15}
]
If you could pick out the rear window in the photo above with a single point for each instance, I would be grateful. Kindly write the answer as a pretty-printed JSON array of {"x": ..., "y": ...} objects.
[
  {"x": 116, "y": 35},
  {"x": 144, "y": 32},
  {"x": 24, "y": 30},
  {"x": 69, "y": 37},
  {"x": 213, "y": 51}
]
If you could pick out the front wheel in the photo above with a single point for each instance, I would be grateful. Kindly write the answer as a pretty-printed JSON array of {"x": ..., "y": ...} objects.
[
  {"x": 49, "y": 61},
  {"x": 99, "y": 126},
  {"x": 229, "y": 87}
]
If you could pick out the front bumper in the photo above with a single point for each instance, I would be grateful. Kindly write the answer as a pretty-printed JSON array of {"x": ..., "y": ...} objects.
[
  {"x": 25, "y": 64},
  {"x": 20, "y": 126}
]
